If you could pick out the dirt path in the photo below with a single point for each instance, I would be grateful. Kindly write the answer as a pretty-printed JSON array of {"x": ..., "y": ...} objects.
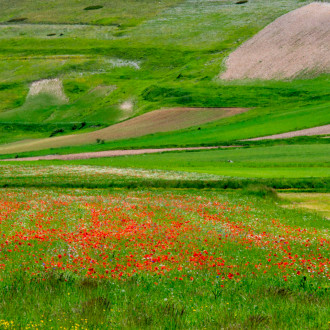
[
  {"x": 110, "y": 153},
  {"x": 320, "y": 130}
]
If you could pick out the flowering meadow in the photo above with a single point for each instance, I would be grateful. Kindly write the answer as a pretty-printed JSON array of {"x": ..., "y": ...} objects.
[{"x": 80, "y": 258}]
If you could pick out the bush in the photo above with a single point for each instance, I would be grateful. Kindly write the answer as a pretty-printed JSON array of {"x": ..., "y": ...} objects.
[
  {"x": 82, "y": 125},
  {"x": 18, "y": 19},
  {"x": 260, "y": 190},
  {"x": 93, "y": 7},
  {"x": 76, "y": 88},
  {"x": 156, "y": 93},
  {"x": 56, "y": 131}
]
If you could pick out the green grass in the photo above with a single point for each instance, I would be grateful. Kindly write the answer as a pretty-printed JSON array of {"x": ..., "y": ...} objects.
[
  {"x": 281, "y": 166},
  {"x": 319, "y": 203},
  {"x": 201, "y": 259},
  {"x": 120, "y": 12},
  {"x": 292, "y": 161},
  {"x": 83, "y": 243},
  {"x": 178, "y": 64}
]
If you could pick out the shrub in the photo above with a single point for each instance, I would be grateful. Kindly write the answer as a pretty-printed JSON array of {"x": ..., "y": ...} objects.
[
  {"x": 18, "y": 19},
  {"x": 157, "y": 93},
  {"x": 76, "y": 88},
  {"x": 93, "y": 7},
  {"x": 82, "y": 125},
  {"x": 56, "y": 131},
  {"x": 260, "y": 190}
]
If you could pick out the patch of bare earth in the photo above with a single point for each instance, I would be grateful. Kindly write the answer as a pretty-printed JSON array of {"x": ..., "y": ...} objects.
[
  {"x": 163, "y": 120},
  {"x": 296, "y": 43},
  {"x": 52, "y": 87},
  {"x": 320, "y": 130}
]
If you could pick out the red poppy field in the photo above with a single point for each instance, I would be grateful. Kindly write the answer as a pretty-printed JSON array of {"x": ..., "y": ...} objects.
[{"x": 123, "y": 259}]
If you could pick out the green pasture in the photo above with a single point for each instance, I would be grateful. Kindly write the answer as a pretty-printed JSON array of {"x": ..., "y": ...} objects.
[
  {"x": 155, "y": 55},
  {"x": 294, "y": 166},
  {"x": 290, "y": 161},
  {"x": 61, "y": 11}
]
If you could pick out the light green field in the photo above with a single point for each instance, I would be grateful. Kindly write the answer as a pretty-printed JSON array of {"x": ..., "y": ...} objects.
[
  {"x": 319, "y": 203},
  {"x": 292, "y": 161}
]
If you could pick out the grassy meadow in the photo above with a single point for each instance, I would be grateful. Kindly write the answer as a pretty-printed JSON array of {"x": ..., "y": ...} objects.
[
  {"x": 151, "y": 53},
  {"x": 314, "y": 202},
  {"x": 275, "y": 161},
  {"x": 223, "y": 238},
  {"x": 159, "y": 259}
]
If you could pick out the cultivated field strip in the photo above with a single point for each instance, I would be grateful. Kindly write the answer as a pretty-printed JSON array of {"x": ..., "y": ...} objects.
[{"x": 320, "y": 130}]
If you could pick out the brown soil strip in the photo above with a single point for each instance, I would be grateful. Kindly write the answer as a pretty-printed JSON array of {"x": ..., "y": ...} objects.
[
  {"x": 320, "y": 130},
  {"x": 295, "y": 43},
  {"x": 164, "y": 120},
  {"x": 111, "y": 153}
]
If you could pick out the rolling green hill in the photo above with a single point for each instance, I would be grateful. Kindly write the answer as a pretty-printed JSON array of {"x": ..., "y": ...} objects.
[{"x": 151, "y": 54}]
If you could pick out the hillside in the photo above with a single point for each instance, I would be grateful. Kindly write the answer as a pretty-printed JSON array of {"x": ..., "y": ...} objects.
[
  {"x": 164, "y": 120},
  {"x": 67, "y": 69},
  {"x": 297, "y": 43}
]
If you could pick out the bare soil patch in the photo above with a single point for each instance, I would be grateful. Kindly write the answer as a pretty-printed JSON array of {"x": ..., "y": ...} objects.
[
  {"x": 52, "y": 87},
  {"x": 163, "y": 120},
  {"x": 296, "y": 43},
  {"x": 320, "y": 130}
]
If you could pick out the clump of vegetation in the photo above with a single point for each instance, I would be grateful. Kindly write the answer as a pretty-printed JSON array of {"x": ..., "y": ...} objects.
[
  {"x": 56, "y": 131},
  {"x": 93, "y": 7},
  {"x": 75, "y": 87},
  {"x": 17, "y": 19},
  {"x": 260, "y": 190}
]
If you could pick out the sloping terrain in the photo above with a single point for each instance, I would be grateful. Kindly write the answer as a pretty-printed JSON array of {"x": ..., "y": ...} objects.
[
  {"x": 48, "y": 86},
  {"x": 296, "y": 43},
  {"x": 105, "y": 154},
  {"x": 117, "y": 59},
  {"x": 80, "y": 11},
  {"x": 320, "y": 130},
  {"x": 152, "y": 122}
]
